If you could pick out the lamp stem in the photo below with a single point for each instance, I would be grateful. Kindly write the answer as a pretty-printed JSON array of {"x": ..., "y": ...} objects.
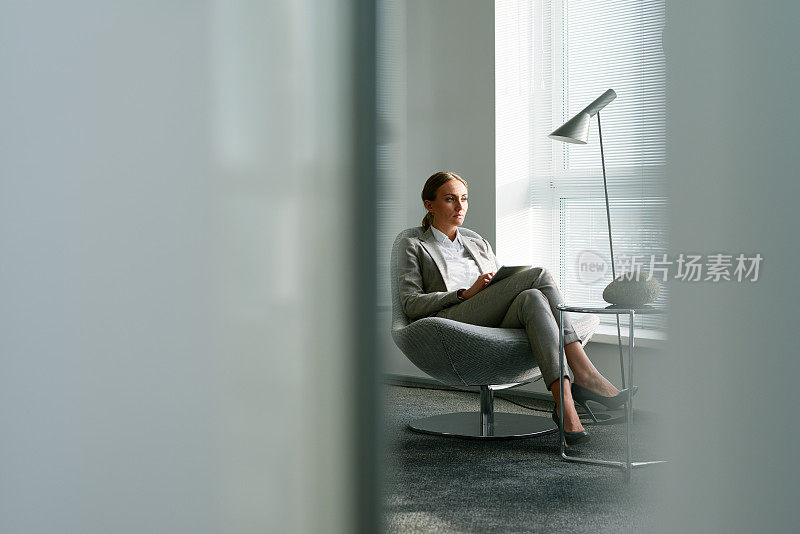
[
  {"x": 605, "y": 189},
  {"x": 611, "y": 245}
]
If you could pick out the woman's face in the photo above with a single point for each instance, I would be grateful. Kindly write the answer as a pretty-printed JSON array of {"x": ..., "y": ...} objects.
[{"x": 450, "y": 206}]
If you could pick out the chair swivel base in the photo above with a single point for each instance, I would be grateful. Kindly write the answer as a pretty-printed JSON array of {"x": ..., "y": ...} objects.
[{"x": 468, "y": 425}]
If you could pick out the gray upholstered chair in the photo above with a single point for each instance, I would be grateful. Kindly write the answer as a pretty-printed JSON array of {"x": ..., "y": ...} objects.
[{"x": 460, "y": 355}]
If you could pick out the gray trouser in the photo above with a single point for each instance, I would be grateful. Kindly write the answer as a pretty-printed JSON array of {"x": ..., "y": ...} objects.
[{"x": 526, "y": 300}]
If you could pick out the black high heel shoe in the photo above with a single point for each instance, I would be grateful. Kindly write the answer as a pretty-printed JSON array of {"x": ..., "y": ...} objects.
[
  {"x": 581, "y": 394},
  {"x": 571, "y": 438}
]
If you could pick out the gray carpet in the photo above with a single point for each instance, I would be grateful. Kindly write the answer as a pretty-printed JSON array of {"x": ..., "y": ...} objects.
[{"x": 436, "y": 484}]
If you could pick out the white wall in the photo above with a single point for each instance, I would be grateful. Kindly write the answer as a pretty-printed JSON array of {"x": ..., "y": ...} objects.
[
  {"x": 450, "y": 103},
  {"x": 441, "y": 64}
]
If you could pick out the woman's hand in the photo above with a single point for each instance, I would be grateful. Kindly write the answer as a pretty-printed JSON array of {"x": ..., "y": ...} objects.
[{"x": 479, "y": 284}]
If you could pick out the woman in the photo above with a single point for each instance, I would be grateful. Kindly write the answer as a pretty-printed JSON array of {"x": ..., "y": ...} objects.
[{"x": 445, "y": 274}]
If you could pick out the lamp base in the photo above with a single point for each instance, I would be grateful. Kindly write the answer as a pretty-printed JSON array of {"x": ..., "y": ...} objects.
[{"x": 632, "y": 290}]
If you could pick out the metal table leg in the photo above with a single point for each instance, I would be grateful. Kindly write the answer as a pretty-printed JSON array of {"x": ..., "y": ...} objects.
[
  {"x": 631, "y": 338},
  {"x": 628, "y": 465},
  {"x": 621, "y": 360},
  {"x": 561, "y": 357},
  {"x": 629, "y": 404}
]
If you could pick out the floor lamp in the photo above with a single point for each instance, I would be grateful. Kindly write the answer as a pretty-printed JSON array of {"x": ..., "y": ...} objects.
[{"x": 576, "y": 131}]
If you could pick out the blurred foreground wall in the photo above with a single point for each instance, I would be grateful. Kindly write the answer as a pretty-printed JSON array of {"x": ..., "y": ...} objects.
[
  {"x": 733, "y": 75},
  {"x": 180, "y": 327}
]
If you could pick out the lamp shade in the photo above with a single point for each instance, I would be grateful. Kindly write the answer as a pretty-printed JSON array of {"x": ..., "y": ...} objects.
[{"x": 576, "y": 130}]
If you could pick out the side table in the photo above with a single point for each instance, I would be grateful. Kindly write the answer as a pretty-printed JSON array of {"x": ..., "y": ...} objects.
[{"x": 628, "y": 464}]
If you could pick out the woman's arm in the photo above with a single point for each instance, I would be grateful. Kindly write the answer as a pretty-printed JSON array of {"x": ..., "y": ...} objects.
[{"x": 416, "y": 303}]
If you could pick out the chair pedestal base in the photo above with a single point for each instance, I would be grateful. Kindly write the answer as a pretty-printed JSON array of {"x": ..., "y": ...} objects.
[{"x": 468, "y": 425}]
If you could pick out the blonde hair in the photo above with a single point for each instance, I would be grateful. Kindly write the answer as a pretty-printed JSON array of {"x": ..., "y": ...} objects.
[{"x": 430, "y": 188}]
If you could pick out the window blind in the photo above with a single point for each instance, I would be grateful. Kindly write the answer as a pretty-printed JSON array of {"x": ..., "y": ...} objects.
[{"x": 577, "y": 50}]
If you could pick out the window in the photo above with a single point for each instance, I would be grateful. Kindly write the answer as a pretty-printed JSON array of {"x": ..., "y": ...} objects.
[{"x": 553, "y": 57}]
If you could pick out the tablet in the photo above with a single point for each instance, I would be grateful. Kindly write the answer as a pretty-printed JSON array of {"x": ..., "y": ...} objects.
[{"x": 505, "y": 271}]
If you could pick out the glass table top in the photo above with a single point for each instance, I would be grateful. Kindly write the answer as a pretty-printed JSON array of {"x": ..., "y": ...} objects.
[{"x": 605, "y": 307}]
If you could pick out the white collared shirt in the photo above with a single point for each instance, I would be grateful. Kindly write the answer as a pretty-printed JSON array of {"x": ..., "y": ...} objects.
[{"x": 462, "y": 268}]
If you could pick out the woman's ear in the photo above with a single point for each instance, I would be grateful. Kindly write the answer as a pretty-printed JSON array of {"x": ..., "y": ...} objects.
[{"x": 428, "y": 204}]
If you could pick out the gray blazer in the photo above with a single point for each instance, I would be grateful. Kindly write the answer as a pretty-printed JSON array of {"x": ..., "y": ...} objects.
[{"x": 423, "y": 271}]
